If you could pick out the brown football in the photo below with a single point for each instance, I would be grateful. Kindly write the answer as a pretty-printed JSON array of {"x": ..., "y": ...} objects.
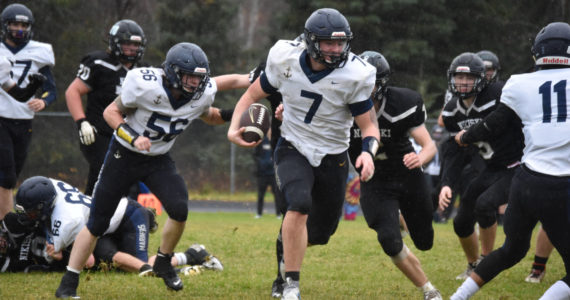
[{"x": 256, "y": 120}]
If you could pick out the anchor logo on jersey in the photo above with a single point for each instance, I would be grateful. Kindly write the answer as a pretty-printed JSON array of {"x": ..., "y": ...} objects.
[
  {"x": 157, "y": 101},
  {"x": 117, "y": 154},
  {"x": 287, "y": 73}
]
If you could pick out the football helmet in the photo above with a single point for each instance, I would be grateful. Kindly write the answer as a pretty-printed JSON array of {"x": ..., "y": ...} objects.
[
  {"x": 491, "y": 61},
  {"x": 327, "y": 24},
  {"x": 126, "y": 31},
  {"x": 551, "y": 45},
  {"x": 467, "y": 63},
  {"x": 17, "y": 13},
  {"x": 186, "y": 58},
  {"x": 382, "y": 71},
  {"x": 36, "y": 199}
]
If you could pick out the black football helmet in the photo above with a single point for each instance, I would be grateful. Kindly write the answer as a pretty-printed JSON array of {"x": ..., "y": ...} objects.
[
  {"x": 551, "y": 45},
  {"x": 382, "y": 71},
  {"x": 187, "y": 58},
  {"x": 491, "y": 61},
  {"x": 327, "y": 24},
  {"x": 468, "y": 63},
  {"x": 126, "y": 31},
  {"x": 36, "y": 199},
  {"x": 17, "y": 13}
]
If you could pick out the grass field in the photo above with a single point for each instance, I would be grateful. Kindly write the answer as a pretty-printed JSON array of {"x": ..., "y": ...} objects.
[{"x": 352, "y": 266}]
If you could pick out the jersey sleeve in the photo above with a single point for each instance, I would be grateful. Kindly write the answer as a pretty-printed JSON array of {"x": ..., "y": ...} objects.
[
  {"x": 43, "y": 54},
  {"x": 87, "y": 70},
  {"x": 277, "y": 54},
  {"x": 133, "y": 88},
  {"x": 364, "y": 80}
]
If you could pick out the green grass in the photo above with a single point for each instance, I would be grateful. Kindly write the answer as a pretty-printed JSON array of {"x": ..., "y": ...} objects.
[
  {"x": 352, "y": 266},
  {"x": 242, "y": 196}
]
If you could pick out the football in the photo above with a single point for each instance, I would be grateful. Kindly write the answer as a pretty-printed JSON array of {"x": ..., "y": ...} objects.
[{"x": 256, "y": 120}]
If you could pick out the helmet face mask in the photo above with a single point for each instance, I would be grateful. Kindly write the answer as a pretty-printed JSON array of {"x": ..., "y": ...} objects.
[
  {"x": 465, "y": 66},
  {"x": 17, "y": 22},
  {"x": 551, "y": 47},
  {"x": 124, "y": 34},
  {"x": 185, "y": 59},
  {"x": 327, "y": 24},
  {"x": 382, "y": 72}
]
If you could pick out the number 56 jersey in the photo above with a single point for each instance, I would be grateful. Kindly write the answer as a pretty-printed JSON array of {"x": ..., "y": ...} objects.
[
  {"x": 318, "y": 106},
  {"x": 155, "y": 113}
]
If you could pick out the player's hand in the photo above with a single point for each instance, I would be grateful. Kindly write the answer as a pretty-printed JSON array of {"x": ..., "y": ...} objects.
[
  {"x": 36, "y": 80},
  {"x": 235, "y": 136},
  {"x": 50, "y": 250},
  {"x": 86, "y": 132},
  {"x": 142, "y": 143},
  {"x": 279, "y": 112},
  {"x": 365, "y": 161},
  {"x": 412, "y": 160},
  {"x": 444, "y": 197},
  {"x": 458, "y": 138},
  {"x": 36, "y": 104}
]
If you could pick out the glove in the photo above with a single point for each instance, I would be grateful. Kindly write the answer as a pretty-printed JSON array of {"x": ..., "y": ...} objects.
[
  {"x": 86, "y": 132},
  {"x": 36, "y": 80},
  {"x": 253, "y": 74}
]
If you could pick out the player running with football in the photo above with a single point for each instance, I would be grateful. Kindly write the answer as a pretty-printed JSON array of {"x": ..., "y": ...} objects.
[
  {"x": 401, "y": 114},
  {"x": 16, "y": 114},
  {"x": 539, "y": 189},
  {"x": 158, "y": 104},
  {"x": 324, "y": 88}
]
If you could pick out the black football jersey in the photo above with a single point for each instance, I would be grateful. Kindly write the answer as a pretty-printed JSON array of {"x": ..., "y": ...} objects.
[
  {"x": 399, "y": 111},
  {"x": 104, "y": 75}
]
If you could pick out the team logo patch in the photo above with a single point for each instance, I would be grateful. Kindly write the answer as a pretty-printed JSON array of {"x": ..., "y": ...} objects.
[
  {"x": 287, "y": 73},
  {"x": 158, "y": 100}
]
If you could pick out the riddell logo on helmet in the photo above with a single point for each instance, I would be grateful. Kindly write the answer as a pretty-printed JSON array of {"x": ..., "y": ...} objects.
[
  {"x": 462, "y": 69},
  {"x": 553, "y": 60},
  {"x": 136, "y": 38},
  {"x": 21, "y": 18},
  {"x": 338, "y": 34},
  {"x": 200, "y": 70}
]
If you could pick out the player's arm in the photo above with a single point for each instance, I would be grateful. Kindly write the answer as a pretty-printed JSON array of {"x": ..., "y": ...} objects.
[
  {"x": 253, "y": 94},
  {"x": 73, "y": 95},
  {"x": 232, "y": 81},
  {"x": 24, "y": 94},
  {"x": 493, "y": 124},
  {"x": 422, "y": 138},
  {"x": 49, "y": 92},
  {"x": 113, "y": 115},
  {"x": 213, "y": 116},
  {"x": 368, "y": 124}
]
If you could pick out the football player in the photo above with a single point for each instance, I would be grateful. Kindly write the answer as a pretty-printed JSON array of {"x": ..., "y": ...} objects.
[
  {"x": 492, "y": 65},
  {"x": 154, "y": 107},
  {"x": 100, "y": 76},
  {"x": 539, "y": 189},
  {"x": 29, "y": 57},
  {"x": 10, "y": 86},
  {"x": 401, "y": 114},
  {"x": 324, "y": 88},
  {"x": 474, "y": 100}
]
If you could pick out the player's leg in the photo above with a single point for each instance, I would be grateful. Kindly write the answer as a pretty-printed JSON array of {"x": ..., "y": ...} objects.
[
  {"x": 542, "y": 252},
  {"x": 95, "y": 155},
  {"x": 295, "y": 176},
  {"x": 170, "y": 188}
]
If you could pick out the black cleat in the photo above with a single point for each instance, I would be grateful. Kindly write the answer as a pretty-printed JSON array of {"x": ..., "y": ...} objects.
[
  {"x": 163, "y": 269},
  {"x": 277, "y": 288},
  {"x": 68, "y": 286}
]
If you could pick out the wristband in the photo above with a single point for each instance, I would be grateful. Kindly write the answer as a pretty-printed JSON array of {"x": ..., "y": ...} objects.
[
  {"x": 226, "y": 114},
  {"x": 128, "y": 134},
  {"x": 370, "y": 144},
  {"x": 78, "y": 122}
]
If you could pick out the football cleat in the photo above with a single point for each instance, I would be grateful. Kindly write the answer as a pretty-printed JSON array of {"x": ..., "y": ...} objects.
[
  {"x": 469, "y": 270},
  {"x": 68, "y": 286},
  {"x": 197, "y": 255},
  {"x": 146, "y": 271},
  {"x": 432, "y": 295},
  {"x": 213, "y": 263},
  {"x": 190, "y": 270},
  {"x": 277, "y": 288},
  {"x": 163, "y": 269},
  {"x": 291, "y": 290},
  {"x": 535, "y": 276}
]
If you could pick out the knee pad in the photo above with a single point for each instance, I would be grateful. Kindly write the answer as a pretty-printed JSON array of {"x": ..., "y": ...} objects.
[
  {"x": 486, "y": 218},
  {"x": 318, "y": 238},
  {"x": 391, "y": 245},
  {"x": 401, "y": 255},
  {"x": 424, "y": 240},
  {"x": 463, "y": 229},
  {"x": 178, "y": 211},
  {"x": 7, "y": 179}
]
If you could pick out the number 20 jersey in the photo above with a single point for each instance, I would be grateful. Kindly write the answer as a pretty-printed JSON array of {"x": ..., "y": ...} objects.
[
  {"x": 316, "y": 117},
  {"x": 540, "y": 99},
  {"x": 157, "y": 115},
  {"x": 28, "y": 60}
]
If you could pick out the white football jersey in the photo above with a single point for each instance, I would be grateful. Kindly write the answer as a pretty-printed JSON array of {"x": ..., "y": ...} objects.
[
  {"x": 316, "y": 117},
  {"x": 157, "y": 114},
  {"x": 5, "y": 68},
  {"x": 541, "y": 100},
  {"x": 71, "y": 212},
  {"x": 29, "y": 60}
]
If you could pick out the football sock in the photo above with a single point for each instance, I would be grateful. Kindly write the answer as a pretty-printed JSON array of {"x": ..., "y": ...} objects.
[
  {"x": 70, "y": 269},
  {"x": 466, "y": 290},
  {"x": 559, "y": 290},
  {"x": 180, "y": 258},
  {"x": 426, "y": 287},
  {"x": 539, "y": 263},
  {"x": 293, "y": 275}
]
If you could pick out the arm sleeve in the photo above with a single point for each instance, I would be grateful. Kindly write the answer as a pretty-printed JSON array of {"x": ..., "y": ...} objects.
[
  {"x": 49, "y": 92},
  {"x": 494, "y": 124}
]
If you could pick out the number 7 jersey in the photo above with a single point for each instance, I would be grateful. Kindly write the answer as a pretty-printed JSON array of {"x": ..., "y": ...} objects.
[
  {"x": 157, "y": 115},
  {"x": 540, "y": 99}
]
